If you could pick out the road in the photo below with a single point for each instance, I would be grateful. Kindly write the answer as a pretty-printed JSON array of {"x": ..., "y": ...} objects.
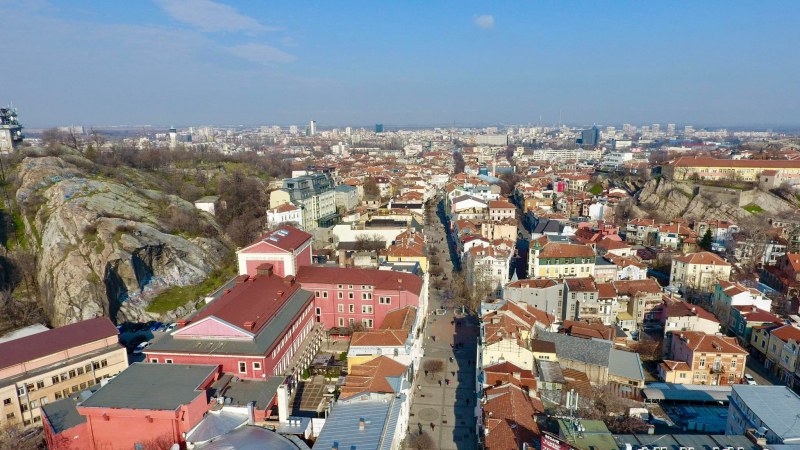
[{"x": 444, "y": 403}]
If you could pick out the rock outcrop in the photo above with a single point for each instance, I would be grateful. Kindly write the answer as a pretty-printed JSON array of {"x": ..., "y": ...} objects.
[{"x": 103, "y": 247}]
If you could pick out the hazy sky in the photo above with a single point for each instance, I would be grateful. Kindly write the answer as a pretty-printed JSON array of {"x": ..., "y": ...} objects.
[{"x": 187, "y": 62}]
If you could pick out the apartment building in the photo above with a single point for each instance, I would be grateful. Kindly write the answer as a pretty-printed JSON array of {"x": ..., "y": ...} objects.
[
  {"x": 714, "y": 360},
  {"x": 706, "y": 168},
  {"x": 48, "y": 366},
  {"x": 698, "y": 272}
]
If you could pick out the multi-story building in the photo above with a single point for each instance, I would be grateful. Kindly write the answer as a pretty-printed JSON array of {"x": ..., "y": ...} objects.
[
  {"x": 782, "y": 350},
  {"x": 263, "y": 326},
  {"x": 640, "y": 298},
  {"x": 396, "y": 339},
  {"x": 770, "y": 411},
  {"x": 544, "y": 294},
  {"x": 559, "y": 260},
  {"x": 728, "y": 294},
  {"x": 285, "y": 214},
  {"x": 501, "y": 209},
  {"x": 744, "y": 318},
  {"x": 582, "y": 300},
  {"x": 10, "y": 130},
  {"x": 488, "y": 265},
  {"x": 715, "y": 360},
  {"x": 344, "y": 297},
  {"x": 313, "y": 193},
  {"x": 706, "y": 168},
  {"x": 698, "y": 272},
  {"x": 47, "y": 366},
  {"x": 286, "y": 248},
  {"x": 347, "y": 197}
]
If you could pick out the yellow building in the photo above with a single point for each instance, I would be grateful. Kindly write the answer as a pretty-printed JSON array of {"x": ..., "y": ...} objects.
[
  {"x": 705, "y": 168},
  {"x": 698, "y": 271},
  {"x": 48, "y": 366}
]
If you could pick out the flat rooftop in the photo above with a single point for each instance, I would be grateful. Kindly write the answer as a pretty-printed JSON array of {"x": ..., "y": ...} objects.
[
  {"x": 158, "y": 387},
  {"x": 777, "y": 406}
]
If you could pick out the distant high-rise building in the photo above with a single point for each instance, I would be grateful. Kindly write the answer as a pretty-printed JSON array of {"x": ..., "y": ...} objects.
[
  {"x": 671, "y": 129},
  {"x": 292, "y": 129},
  {"x": 379, "y": 128},
  {"x": 348, "y": 131},
  {"x": 312, "y": 128},
  {"x": 656, "y": 128},
  {"x": 173, "y": 138},
  {"x": 688, "y": 130},
  {"x": 590, "y": 137},
  {"x": 10, "y": 130}
]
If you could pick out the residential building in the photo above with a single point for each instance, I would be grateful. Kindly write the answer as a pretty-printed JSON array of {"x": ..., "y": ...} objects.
[
  {"x": 785, "y": 275},
  {"x": 501, "y": 210},
  {"x": 50, "y": 365},
  {"x": 396, "y": 339},
  {"x": 698, "y": 272},
  {"x": 379, "y": 375},
  {"x": 782, "y": 350},
  {"x": 677, "y": 315},
  {"x": 559, "y": 260},
  {"x": 313, "y": 193},
  {"x": 728, "y": 294},
  {"x": 285, "y": 248},
  {"x": 347, "y": 197},
  {"x": 768, "y": 410},
  {"x": 209, "y": 204},
  {"x": 507, "y": 419},
  {"x": 715, "y": 360},
  {"x": 544, "y": 294},
  {"x": 639, "y": 298},
  {"x": 744, "y": 318},
  {"x": 706, "y": 168},
  {"x": 582, "y": 300},
  {"x": 344, "y": 297},
  {"x": 285, "y": 214},
  {"x": 489, "y": 265},
  {"x": 408, "y": 246},
  {"x": 506, "y": 334},
  {"x": 263, "y": 326}
]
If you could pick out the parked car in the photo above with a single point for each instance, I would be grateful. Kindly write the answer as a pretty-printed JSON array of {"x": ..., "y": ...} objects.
[
  {"x": 155, "y": 326},
  {"x": 749, "y": 379},
  {"x": 140, "y": 348},
  {"x": 171, "y": 326},
  {"x": 635, "y": 335}
]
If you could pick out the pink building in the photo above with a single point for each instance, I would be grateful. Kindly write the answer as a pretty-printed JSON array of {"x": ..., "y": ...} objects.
[
  {"x": 257, "y": 329},
  {"x": 145, "y": 406},
  {"x": 286, "y": 248},
  {"x": 347, "y": 296}
]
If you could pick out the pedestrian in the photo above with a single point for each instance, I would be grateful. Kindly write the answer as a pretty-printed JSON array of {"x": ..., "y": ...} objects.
[
  {"x": 440, "y": 382},
  {"x": 432, "y": 426}
]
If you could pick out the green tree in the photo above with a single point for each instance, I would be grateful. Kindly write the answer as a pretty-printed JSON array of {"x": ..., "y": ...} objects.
[{"x": 705, "y": 243}]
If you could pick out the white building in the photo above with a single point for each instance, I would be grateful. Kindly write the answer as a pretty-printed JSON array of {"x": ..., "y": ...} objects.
[{"x": 285, "y": 214}]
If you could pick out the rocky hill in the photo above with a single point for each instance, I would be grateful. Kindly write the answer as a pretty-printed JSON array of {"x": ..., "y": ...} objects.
[
  {"x": 669, "y": 199},
  {"x": 106, "y": 248}
]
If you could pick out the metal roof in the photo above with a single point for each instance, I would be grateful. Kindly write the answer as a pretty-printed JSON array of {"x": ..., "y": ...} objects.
[
  {"x": 216, "y": 424},
  {"x": 625, "y": 364},
  {"x": 590, "y": 351},
  {"x": 160, "y": 387},
  {"x": 686, "y": 392},
  {"x": 62, "y": 414},
  {"x": 380, "y": 413},
  {"x": 778, "y": 407}
]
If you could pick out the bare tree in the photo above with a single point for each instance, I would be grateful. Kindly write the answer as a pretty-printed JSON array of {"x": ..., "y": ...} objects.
[
  {"x": 369, "y": 242},
  {"x": 420, "y": 441},
  {"x": 15, "y": 436},
  {"x": 433, "y": 366}
]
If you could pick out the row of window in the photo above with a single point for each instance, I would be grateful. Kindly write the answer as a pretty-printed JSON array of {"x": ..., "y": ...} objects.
[
  {"x": 351, "y": 308},
  {"x": 367, "y": 323},
  {"x": 340, "y": 295},
  {"x": 64, "y": 376}
]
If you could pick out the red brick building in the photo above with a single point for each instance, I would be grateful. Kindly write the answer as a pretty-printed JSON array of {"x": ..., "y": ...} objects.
[
  {"x": 256, "y": 330},
  {"x": 346, "y": 296}
]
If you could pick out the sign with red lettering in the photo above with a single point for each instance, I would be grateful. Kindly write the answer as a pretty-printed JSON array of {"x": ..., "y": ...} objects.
[{"x": 552, "y": 442}]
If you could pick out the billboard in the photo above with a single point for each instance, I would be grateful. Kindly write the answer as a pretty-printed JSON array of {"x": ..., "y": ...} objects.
[{"x": 552, "y": 442}]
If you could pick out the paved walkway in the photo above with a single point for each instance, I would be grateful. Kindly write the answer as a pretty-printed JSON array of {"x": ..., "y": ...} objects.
[{"x": 446, "y": 411}]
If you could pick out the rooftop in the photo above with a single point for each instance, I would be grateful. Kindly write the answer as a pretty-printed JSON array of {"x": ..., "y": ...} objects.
[
  {"x": 160, "y": 387},
  {"x": 342, "y": 428},
  {"x": 52, "y": 341},
  {"x": 380, "y": 279},
  {"x": 286, "y": 238},
  {"x": 776, "y": 406}
]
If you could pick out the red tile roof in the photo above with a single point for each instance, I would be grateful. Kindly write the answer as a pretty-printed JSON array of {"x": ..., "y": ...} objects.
[
  {"x": 253, "y": 301},
  {"x": 508, "y": 418},
  {"x": 703, "y": 258},
  {"x": 52, "y": 341},
  {"x": 754, "y": 163},
  {"x": 698, "y": 341},
  {"x": 786, "y": 333},
  {"x": 558, "y": 250},
  {"x": 506, "y": 372},
  {"x": 380, "y": 279},
  {"x": 371, "y": 377},
  {"x": 285, "y": 237}
]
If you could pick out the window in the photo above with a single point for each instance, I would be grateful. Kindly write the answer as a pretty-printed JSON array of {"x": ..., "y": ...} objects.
[
  {"x": 366, "y": 296},
  {"x": 366, "y": 309},
  {"x": 256, "y": 366},
  {"x": 702, "y": 362},
  {"x": 339, "y": 286},
  {"x": 95, "y": 365},
  {"x": 319, "y": 311},
  {"x": 341, "y": 321},
  {"x": 26, "y": 422},
  {"x": 79, "y": 370},
  {"x": 350, "y": 295},
  {"x": 72, "y": 373},
  {"x": 34, "y": 404},
  {"x": 55, "y": 379},
  {"x": 90, "y": 382},
  {"x": 40, "y": 384},
  {"x": 733, "y": 364},
  {"x": 43, "y": 401},
  {"x": 10, "y": 415},
  {"x": 87, "y": 368},
  {"x": 6, "y": 401},
  {"x": 74, "y": 389},
  {"x": 367, "y": 323},
  {"x": 154, "y": 360},
  {"x": 350, "y": 286},
  {"x": 316, "y": 294},
  {"x": 324, "y": 294},
  {"x": 104, "y": 363},
  {"x": 167, "y": 361},
  {"x": 24, "y": 407},
  {"x": 351, "y": 308},
  {"x": 340, "y": 295},
  {"x": 341, "y": 307},
  {"x": 351, "y": 321},
  {"x": 21, "y": 391},
  {"x": 83, "y": 385},
  {"x": 65, "y": 392},
  {"x": 385, "y": 300},
  {"x": 242, "y": 367},
  {"x": 30, "y": 387}
]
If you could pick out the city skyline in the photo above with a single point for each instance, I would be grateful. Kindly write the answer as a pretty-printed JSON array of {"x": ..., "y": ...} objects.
[{"x": 204, "y": 62}]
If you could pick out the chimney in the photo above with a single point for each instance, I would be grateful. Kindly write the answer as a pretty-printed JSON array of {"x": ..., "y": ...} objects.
[
  {"x": 283, "y": 404},
  {"x": 289, "y": 280},
  {"x": 251, "y": 417},
  {"x": 264, "y": 269},
  {"x": 362, "y": 424}
]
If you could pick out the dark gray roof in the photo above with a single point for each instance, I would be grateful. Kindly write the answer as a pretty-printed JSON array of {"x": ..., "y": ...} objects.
[
  {"x": 600, "y": 261},
  {"x": 548, "y": 226},
  {"x": 243, "y": 392},
  {"x": 550, "y": 372},
  {"x": 625, "y": 364},
  {"x": 344, "y": 188},
  {"x": 263, "y": 341},
  {"x": 590, "y": 351},
  {"x": 160, "y": 387},
  {"x": 62, "y": 415}
]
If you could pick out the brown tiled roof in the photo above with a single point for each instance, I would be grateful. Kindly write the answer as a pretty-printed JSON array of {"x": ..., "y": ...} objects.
[
  {"x": 582, "y": 284},
  {"x": 371, "y": 377},
  {"x": 506, "y": 372},
  {"x": 675, "y": 365},
  {"x": 702, "y": 258},
  {"x": 559, "y": 250},
  {"x": 679, "y": 308},
  {"x": 39, "y": 345},
  {"x": 786, "y": 333},
  {"x": 633, "y": 287},
  {"x": 588, "y": 330},
  {"x": 535, "y": 283},
  {"x": 508, "y": 416},
  {"x": 540, "y": 346},
  {"x": 698, "y": 341}
]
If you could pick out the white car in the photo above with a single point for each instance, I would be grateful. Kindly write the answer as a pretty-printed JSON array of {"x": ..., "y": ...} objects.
[
  {"x": 140, "y": 348},
  {"x": 749, "y": 379},
  {"x": 171, "y": 326}
]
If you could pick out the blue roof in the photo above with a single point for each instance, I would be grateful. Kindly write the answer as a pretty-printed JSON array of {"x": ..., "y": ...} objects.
[{"x": 344, "y": 188}]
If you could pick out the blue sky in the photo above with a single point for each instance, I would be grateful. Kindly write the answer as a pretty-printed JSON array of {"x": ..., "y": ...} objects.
[{"x": 187, "y": 62}]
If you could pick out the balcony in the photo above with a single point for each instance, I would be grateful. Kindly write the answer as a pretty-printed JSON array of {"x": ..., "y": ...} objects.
[{"x": 718, "y": 368}]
